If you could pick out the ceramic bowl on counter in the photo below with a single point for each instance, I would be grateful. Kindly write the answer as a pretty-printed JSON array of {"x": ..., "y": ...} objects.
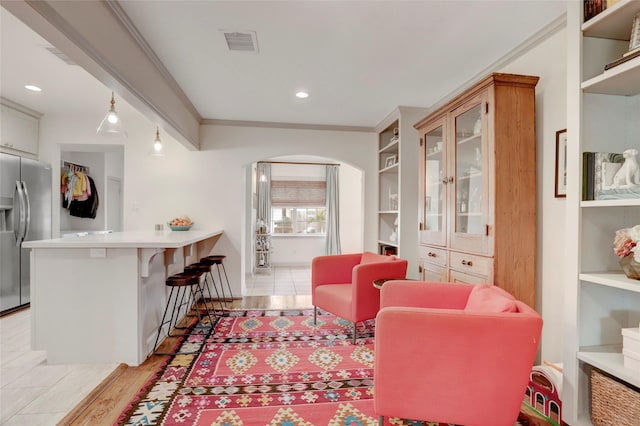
[{"x": 180, "y": 228}]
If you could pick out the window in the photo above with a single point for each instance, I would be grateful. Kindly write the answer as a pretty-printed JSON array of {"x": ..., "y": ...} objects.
[
  {"x": 298, "y": 206},
  {"x": 298, "y": 220}
]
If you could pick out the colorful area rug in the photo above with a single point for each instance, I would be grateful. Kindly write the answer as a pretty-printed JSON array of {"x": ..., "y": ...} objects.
[{"x": 271, "y": 367}]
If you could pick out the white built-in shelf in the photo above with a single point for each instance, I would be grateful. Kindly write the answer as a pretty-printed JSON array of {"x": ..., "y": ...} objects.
[
  {"x": 623, "y": 79},
  {"x": 610, "y": 360},
  {"x": 387, "y": 243},
  {"x": 627, "y": 202},
  {"x": 614, "y": 22},
  {"x": 390, "y": 147},
  {"x": 611, "y": 279},
  {"x": 388, "y": 212},
  {"x": 393, "y": 168}
]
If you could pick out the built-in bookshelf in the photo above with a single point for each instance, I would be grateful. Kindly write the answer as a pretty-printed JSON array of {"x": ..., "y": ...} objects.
[
  {"x": 603, "y": 106},
  {"x": 398, "y": 147}
]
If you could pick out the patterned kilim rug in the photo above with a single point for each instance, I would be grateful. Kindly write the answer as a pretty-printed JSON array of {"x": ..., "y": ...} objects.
[{"x": 271, "y": 367}]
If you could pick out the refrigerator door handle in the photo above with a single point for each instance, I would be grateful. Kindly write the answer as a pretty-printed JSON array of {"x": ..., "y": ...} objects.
[
  {"x": 27, "y": 203},
  {"x": 19, "y": 230}
]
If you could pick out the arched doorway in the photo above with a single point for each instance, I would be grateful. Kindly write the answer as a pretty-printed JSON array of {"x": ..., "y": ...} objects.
[{"x": 280, "y": 261}]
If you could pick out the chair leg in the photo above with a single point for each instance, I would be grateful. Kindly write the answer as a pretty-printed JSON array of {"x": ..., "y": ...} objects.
[
  {"x": 228, "y": 284},
  {"x": 315, "y": 315},
  {"x": 213, "y": 284},
  {"x": 380, "y": 420},
  {"x": 355, "y": 332}
]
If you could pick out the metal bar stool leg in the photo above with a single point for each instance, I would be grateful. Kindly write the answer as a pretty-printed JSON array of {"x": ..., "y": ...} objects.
[
  {"x": 227, "y": 279},
  {"x": 224, "y": 298},
  {"x": 183, "y": 283},
  {"x": 210, "y": 261},
  {"x": 220, "y": 300},
  {"x": 162, "y": 322}
]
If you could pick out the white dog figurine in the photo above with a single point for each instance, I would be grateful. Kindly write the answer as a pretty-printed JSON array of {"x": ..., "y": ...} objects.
[{"x": 629, "y": 173}]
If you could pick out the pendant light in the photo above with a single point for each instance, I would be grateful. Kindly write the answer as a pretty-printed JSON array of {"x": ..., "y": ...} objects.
[
  {"x": 157, "y": 150},
  {"x": 111, "y": 125}
]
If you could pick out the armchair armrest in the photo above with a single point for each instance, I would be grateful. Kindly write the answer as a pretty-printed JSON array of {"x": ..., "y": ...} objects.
[
  {"x": 334, "y": 269},
  {"x": 424, "y": 294}
]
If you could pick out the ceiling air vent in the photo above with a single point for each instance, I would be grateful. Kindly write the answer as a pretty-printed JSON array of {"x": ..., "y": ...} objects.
[
  {"x": 67, "y": 60},
  {"x": 242, "y": 41}
]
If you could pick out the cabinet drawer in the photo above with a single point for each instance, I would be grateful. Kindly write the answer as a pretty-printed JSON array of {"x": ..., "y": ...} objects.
[
  {"x": 437, "y": 256},
  {"x": 471, "y": 264},
  {"x": 433, "y": 273},
  {"x": 463, "y": 278}
]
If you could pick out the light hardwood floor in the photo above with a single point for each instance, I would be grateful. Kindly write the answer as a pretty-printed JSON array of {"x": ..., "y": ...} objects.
[{"x": 109, "y": 399}]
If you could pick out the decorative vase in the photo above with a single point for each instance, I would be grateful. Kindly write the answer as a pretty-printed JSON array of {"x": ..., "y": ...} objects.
[{"x": 630, "y": 267}]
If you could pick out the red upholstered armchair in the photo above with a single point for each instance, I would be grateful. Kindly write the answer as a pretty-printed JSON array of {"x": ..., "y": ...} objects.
[
  {"x": 453, "y": 353},
  {"x": 343, "y": 284}
]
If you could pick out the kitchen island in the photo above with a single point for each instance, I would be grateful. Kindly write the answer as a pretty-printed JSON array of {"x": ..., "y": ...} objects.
[{"x": 100, "y": 297}]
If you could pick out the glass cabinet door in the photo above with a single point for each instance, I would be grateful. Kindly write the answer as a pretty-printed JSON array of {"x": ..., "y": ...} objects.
[
  {"x": 470, "y": 181},
  {"x": 434, "y": 201}
]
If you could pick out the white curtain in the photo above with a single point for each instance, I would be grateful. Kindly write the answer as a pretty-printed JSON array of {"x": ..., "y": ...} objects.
[
  {"x": 264, "y": 194},
  {"x": 332, "y": 245}
]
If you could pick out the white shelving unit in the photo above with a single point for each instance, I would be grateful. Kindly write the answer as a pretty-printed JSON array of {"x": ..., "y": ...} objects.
[
  {"x": 263, "y": 250},
  {"x": 603, "y": 115},
  {"x": 400, "y": 178}
]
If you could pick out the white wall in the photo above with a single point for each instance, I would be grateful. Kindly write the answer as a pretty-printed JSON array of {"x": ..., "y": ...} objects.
[{"x": 548, "y": 61}]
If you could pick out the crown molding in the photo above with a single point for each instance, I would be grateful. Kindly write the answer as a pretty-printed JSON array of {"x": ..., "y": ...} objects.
[{"x": 275, "y": 125}]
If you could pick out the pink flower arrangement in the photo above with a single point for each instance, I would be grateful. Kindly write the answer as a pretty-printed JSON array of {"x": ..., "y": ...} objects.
[{"x": 626, "y": 242}]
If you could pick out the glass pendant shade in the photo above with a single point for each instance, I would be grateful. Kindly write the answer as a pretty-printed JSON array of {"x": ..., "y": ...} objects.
[
  {"x": 111, "y": 124},
  {"x": 157, "y": 150}
]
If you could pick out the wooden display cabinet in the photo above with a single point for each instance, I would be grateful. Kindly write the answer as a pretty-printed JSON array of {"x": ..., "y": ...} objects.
[{"x": 477, "y": 204}]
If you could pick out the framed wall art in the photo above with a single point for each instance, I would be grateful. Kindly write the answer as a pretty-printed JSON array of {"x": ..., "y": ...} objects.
[{"x": 561, "y": 164}]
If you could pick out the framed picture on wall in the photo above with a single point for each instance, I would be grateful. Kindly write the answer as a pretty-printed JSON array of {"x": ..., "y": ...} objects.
[
  {"x": 561, "y": 164},
  {"x": 390, "y": 160}
]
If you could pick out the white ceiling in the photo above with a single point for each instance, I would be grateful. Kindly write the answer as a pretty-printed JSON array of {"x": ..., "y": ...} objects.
[{"x": 358, "y": 59}]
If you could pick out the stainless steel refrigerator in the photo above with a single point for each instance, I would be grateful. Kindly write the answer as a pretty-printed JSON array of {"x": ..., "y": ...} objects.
[{"x": 25, "y": 215}]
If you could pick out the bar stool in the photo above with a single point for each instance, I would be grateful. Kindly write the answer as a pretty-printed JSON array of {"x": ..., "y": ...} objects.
[
  {"x": 183, "y": 285},
  {"x": 218, "y": 261},
  {"x": 201, "y": 269}
]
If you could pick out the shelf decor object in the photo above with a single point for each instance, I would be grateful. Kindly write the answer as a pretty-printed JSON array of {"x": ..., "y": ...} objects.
[
  {"x": 626, "y": 408},
  {"x": 626, "y": 244}
]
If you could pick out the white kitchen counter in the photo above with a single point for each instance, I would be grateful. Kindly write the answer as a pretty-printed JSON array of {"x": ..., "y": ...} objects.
[
  {"x": 100, "y": 297},
  {"x": 137, "y": 239}
]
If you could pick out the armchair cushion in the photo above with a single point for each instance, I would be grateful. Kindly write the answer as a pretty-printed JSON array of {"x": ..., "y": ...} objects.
[{"x": 485, "y": 298}]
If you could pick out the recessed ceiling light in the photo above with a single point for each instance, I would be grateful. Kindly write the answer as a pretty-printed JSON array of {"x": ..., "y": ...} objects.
[
  {"x": 32, "y": 88},
  {"x": 302, "y": 94}
]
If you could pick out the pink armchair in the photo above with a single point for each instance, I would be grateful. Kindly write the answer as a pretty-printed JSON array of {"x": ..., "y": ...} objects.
[
  {"x": 453, "y": 353},
  {"x": 343, "y": 284}
]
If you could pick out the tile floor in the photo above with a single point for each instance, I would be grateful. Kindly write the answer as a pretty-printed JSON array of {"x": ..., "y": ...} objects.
[
  {"x": 281, "y": 280},
  {"x": 34, "y": 393}
]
